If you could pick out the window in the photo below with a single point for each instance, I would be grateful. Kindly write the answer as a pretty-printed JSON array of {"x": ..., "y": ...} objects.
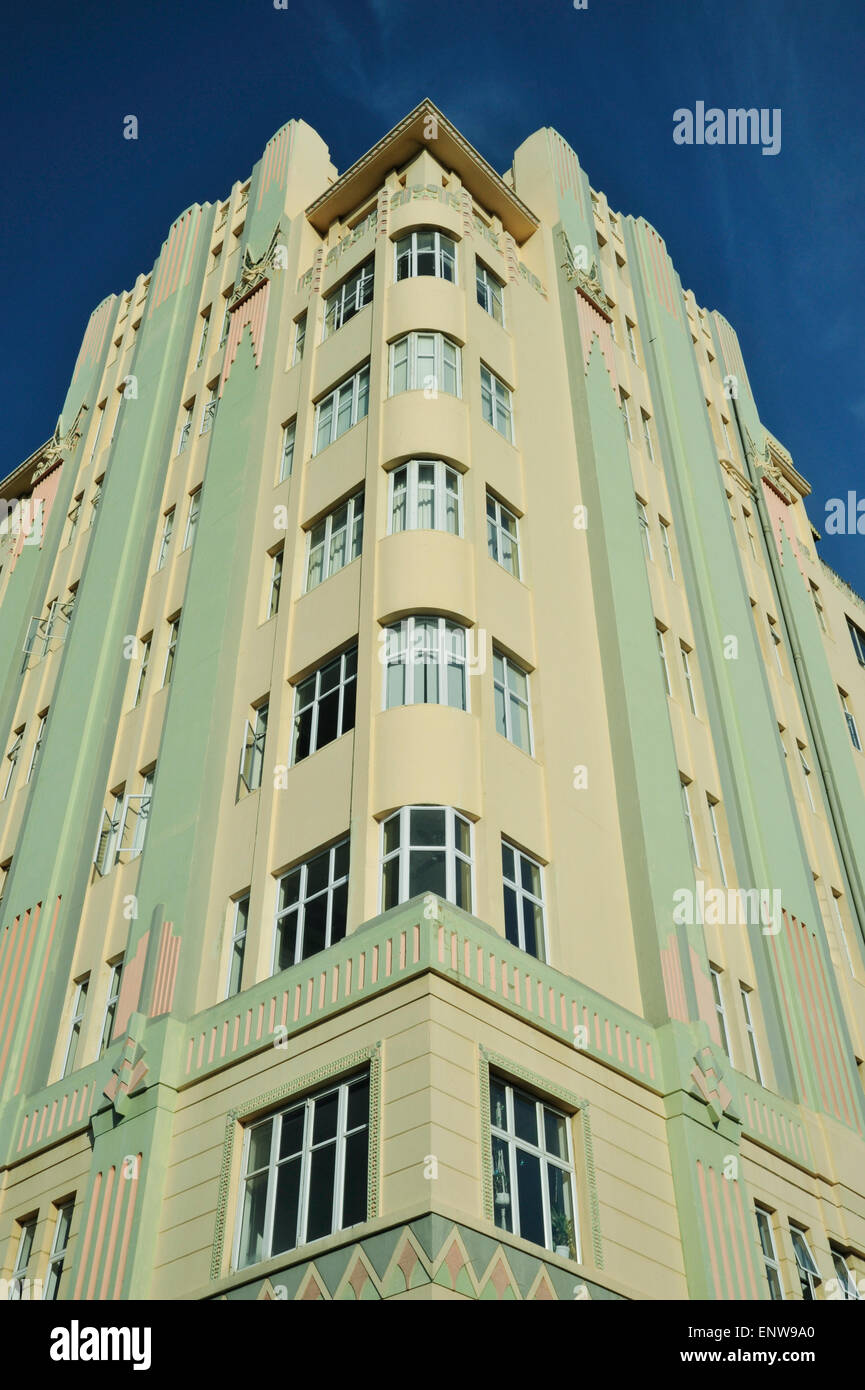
[
  {"x": 775, "y": 637},
  {"x": 770, "y": 1255},
  {"x": 835, "y": 899},
  {"x": 192, "y": 517},
  {"x": 237, "y": 947},
  {"x": 347, "y": 404},
  {"x": 647, "y": 435},
  {"x": 74, "y": 517},
  {"x": 626, "y": 416},
  {"x": 496, "y": 404},
  {"x": 305, "y": 1172},
  {"x": 643, "y": 519},
  {"x": 4, "y": 877},
  {"x": 202, "y": 340},
  {"x": 59, "y": 1246},
  {"x": 747, "y": 515},
  {"x": 79, "y": 1004},
  {"x": 185, "y": 427},
  {"x": 847, "y": 1287},
  {"x": 503, "y": 540},
  {"x": 173, "y": 632},
  {"x": 100, "y": 421},
  {"x": 523, "y": 884},
  {"x": 426, "y": 849},
  {"x": 425, "y": 663},
  {"x": 37, "y": 746},
  {"x": 27, "y": 1231},
  {"x": 334, "y": 542},
  {"x": 662, "y": 652},
  {"x": 689, "y": 822},
  {"x": 534, "y": 1192},
  {"x": 95, "y": 499},
  {"x": 511, "y": 694},
  {"x": 809, "y": 1274},
  {"x": 252, "y": 753},
  {"x": 426, "y": 495},
  {"x": 311, "y": 906},
  {"x": 226, "y": 319},
  {"x": 352, "y": 296},
  {"x": 286, "y": 457},
  {"x": 275, "y": 583},
  {"x": 726, "y": 435},
  {"x": 324, "y": 705},
  {"x": 632, "y": 342},
  {"x": 851, "y": 722},
  {"x": 857, "y": 637},
  {"x": 720, "y": 1010},
  {"x": 299, "y": 339},
  {"x": 490, "y": 292},
  {"x": 12, "y": 757},
  {"x": 111, "y": 1006},
  {"x": 806, "y": 773},
  {"x": 689, "y": 678},
  {"x": 665, "y": 540},
  {"x": 426, "y": 362},
  {"x": 208, "y": 414},
  {"x": 165, "y": 540},
  {"x": 716, "y": 836},
  {"x": 744, "y": 994},
  {"x": 146, "y": 643},
  {"x": 426, "y": 252}
]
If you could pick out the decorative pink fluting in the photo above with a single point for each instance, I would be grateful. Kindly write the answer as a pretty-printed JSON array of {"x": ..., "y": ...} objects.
[
  {"x": 274, "y": 167},
  {"x": 166, "y": 971},
  {"x": 183, "y": 234},
  {"x": 594, "y": 325},
  {"x": 94, "y": 335},
  {"x": 252, "y": 311},
  {"x": 779, "y": 515}
]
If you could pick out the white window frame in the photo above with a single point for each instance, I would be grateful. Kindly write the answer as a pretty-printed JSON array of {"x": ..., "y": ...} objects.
[
  {"x": 523, "y": 895},
  {"x": 171, "y": 651},
  {"x": 403, "y": 851},
  {"x": 192, "y": 516},
  {"x": 354, "y": 294},
  {"x": 806, "y": 1265},
  {"x": 770, "y": 1256},
  {"x": 852, "y": 727},
  {"x": 503, "y": 688},
  {"x": 344, "y": 681},
  {"x": 349, "y": 534},
  {"x": 835, "y": 899},
  {"x": 406, "y": 645},
  {"x": 37, "y": 746},
  {"x": 299, "y": 906},
  {"x": 857, "y": 637},
  {"x": 490, "y": 291},
  {"x": 59, "y": 1247},
  {"x": 226, "y": 319},
  {"x": 806, "y": 775},
  {"x": 202, "y": 340},
  {"x": 844, "y": 1277},
  {"x": 668, "y": 551},
  {"x": 751, "y": 1033},
  {"x": 74, "y": 516},
  {"x": 237, "y": 945},
  {"x": 208, "y": 413},
  {"x": 299, "y": 339},
  {"x": 500, "y": 538},
  {"x": 647, "y": 435},
  {"x": 632, "y": 342},
  {"x": 503, "y": 1129},
  {"x": 626, "y": 415},
  {"x": 146, "y": 643},
  {"x": 23, "y": 1255},
  {"x": 443, "y": 252},
  {"x": 357, "y": 385},
  {"x": 416, "y": 378},
  {"x": 252, "y": 750},
  {"x": 12, "y": 756},
  {"x": 307, "y": 1104},
  {"x": 277, "y": 565},
  {"x": 498, "y": 399},
  {"x": 721, "y": 1009},
  {"x": 662, "y": 652},
  {"x": 109, "y": 1014},
  {"x": 643, "y": 519},
  {"x": 286, "y": 457},
  {"x": 716, "y": 836},
  {"x": 186, "y": 427},
  {"x": 446, "y": 483},
  {"x": 76, "y": 1025},
  {"x": 165, "y": 539},
  {"x": 746, "y": 515},
  {"x": 689, "y": 821},
  {"x": 689, "y": 677}
]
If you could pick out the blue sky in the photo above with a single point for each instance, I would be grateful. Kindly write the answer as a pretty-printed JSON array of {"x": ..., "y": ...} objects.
[{"x": 775, "y": 243}]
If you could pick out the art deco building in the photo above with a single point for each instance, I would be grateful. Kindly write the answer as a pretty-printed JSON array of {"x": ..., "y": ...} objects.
[{"x": 432, "y": 795}]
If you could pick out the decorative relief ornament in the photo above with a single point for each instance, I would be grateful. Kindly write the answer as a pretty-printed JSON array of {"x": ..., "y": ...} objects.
[{"x": 58, "y": 446}]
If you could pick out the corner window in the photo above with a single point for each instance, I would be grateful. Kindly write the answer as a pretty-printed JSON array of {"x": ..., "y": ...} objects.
[
  {"x": 847, "y": 1286},
  {"x": 324, "y": 705},
  {"x": 490, "y": 292},
  {"x": 427, "y": 362},
  {"x": 425, "y": 663},
  {"x": 534, "y": 1188},
  {"x": 426, "y": 495},
  {"x": 503, "y": 541},
  {"x": 346, "y": 301},
  {"x": 426, "y": 849},
  {"x": 496, "y": 404},
  {"x": 334, "y": 542},
  {"x": 523, "y": 884},
  {"x": 305, "y": 1172},
  {"x": 341, "y": 409},
  {"x": 312, "y": 905},
  {"x": 426, "y": 252}
]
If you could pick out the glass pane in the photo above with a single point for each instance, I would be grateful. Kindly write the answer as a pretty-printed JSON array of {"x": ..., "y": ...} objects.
[
  {"x": 252, "y": 1227},
  {"x": 530, "y": 875},
  {"x": 398, "y": 509},
  {"x": 286, "y": 945},
  {"x": 531, "y": 1201},
  {"x": 400, "y": 366},
  {"x": 258, "y": 1155},
  {"x": 427, "y": 872},
  {"x": 358, "y": 1103},
  {"x": 502, "y": 1203},
  {"x": 291, "y": 1132},
  {"x": 498, "y": 1104},
  {"x": 391, "y": 833},
  {"x": 325, "y": 415},
  {"x": 349, "y": 699},
  {"x": 427, "y": 825},
  {"x": 395, "y": 685},
  {"x": 508, "y": 861},
  {"x": 520, "y": 725},
  {"x": 317, "y": 873},
  {"x": 328, "y": 715},
  {"x": 343, "y": 418},
  {"x": 533, "y": 928},
  {"x": 390, "y": 884},
  {"x": 463, "y": 886},
  {"x": 338, "y": 904},
  {"x": 561, "y": 1210},
  {"x": 354, "y": 1201},
  {"x": 340, "y": 859},
  {"x": 555, "y": 1134},
  {"x": 321, "y": 1175},
  {"x": 325, "y": 1115},
  {"x": 525, "y": 1118},
  {"x": 363, "y": 394},
  {"x": 462, "y": 835},
  {"x": 511, "y": 917},
  {"x": 314, "y": 926},
  {"x": 499, "y": 701},
  {"x": 285, "y": 1211}
]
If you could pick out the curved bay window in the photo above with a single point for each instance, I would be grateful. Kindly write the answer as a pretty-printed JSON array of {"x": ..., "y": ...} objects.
[
  {"x": 426, "y": 495},
  {"x": 425, "y": 663},
  {"x": 426, "y": 849},
  {"x": 426, "y": 252}
]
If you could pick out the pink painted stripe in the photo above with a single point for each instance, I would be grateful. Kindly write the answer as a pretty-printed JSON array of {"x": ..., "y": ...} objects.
[
  {"x": 124, "y": 1246},
  {"x": 112, "y": 1238},
  {"x": 23, "y": 1132},
  {"x": 802, "y": 980},
  {"x": 829, "y": 1022},
  {"x": 707, "y": 1226},
  {"x": 20, "y": 937},
  {"x": 791, "y": 1036},
  {"x": 22, "y": 976},
  {"x": 38, "y": 995},
  {"x": 85, "y": 1245},
  {"x": 100, "y": 1232},
  {"x": 730, "y": 1228},
  {"x": 722, "y": 1234},
  {"x": 190, "y": 260},
  {"x": 743, "y": 1226}
]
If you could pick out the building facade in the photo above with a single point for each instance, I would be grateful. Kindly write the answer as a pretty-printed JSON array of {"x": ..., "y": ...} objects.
[{"x": 425, "y": 709}]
